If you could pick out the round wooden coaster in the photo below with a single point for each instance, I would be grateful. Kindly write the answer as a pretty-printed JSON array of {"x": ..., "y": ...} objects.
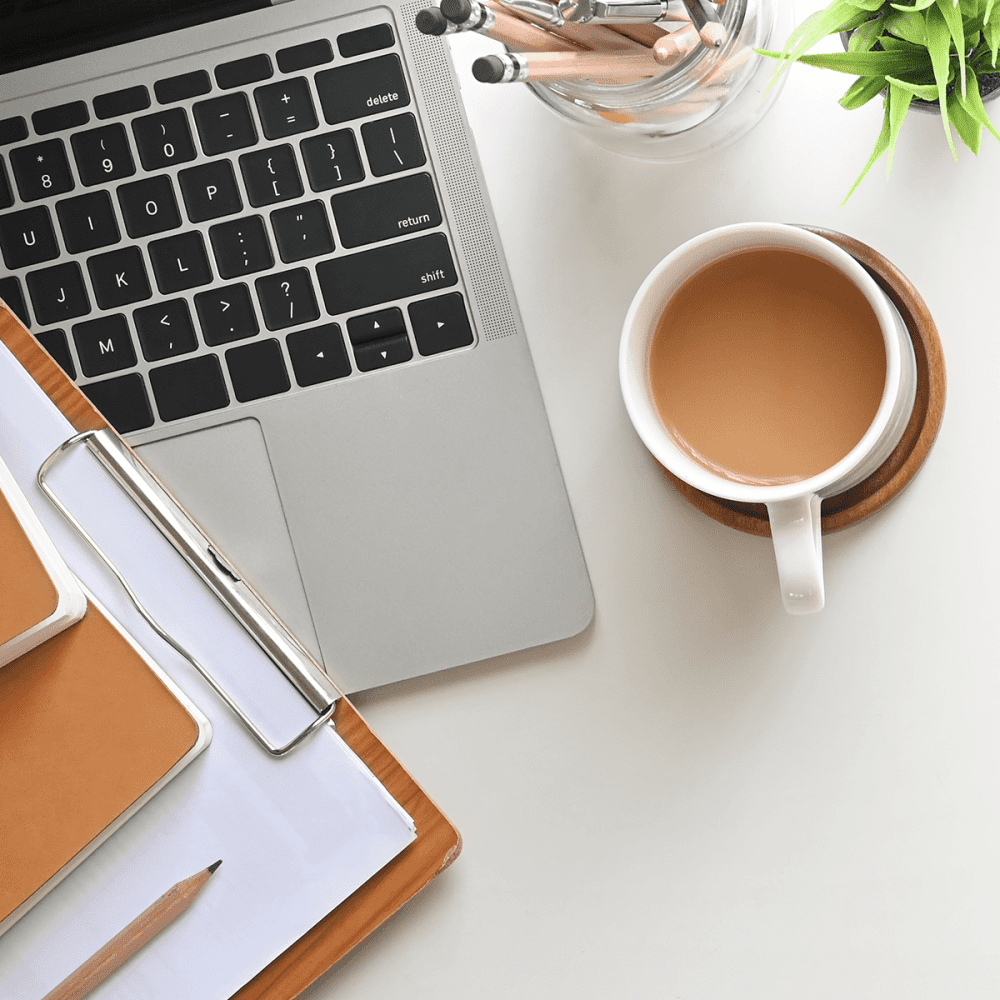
[{"x": 901, "y": 466}]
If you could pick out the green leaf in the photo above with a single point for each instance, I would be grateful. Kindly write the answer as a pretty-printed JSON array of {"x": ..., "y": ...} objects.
[
  {"x": 972, "y": 103},
  {"x": 868, "y": 34},
  {"x": 862, "y": 63},
  {"x": 969, "y": 130},
  {"x": 953, "y": 18},
  {"x": 862, "y": 91},
  {"x": 939, "y": 47},
  {"x": 841, "y": 15},
  {"x": 926, "y": 92},
  {"x": 991, "y": 35},
  {"x": 898, "y": 101},
  {"x": 919, "y": 5},
  {"x": 909, "y": 26},
  {"x": 881, "y": 145}
]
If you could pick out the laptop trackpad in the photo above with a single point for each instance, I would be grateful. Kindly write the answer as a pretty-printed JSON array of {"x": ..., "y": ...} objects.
[{"x": 223, "y": 476}]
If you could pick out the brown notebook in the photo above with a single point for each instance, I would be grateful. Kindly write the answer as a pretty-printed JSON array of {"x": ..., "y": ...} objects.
[
  {"x": 91, "y": 729},
  {"x": 38, "y": 595}
]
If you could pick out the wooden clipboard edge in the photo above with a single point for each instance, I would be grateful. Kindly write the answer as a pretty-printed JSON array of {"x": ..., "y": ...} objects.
[{"x": 438, "y": 843}]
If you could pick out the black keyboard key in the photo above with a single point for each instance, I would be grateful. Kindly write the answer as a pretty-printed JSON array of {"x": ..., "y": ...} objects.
[
  {"x": 189, "y": 387},
  {"x": 270, "y": 175},
  {"x": 302, "y": 231},
  {"x": 391, "y": 272},
  {"x": 10, "y": 292},
  {"x": 299, "y": 57},
  {"x": 241, "y": 72},
  {"x": 88, "y": 222},
  {"x": 382, "y": 211},
  {"x": 6, "y": 194},
  {"x": 285, "y": 108},
  {"x": 41, "y": 170},
  {"x": 103, "y": 154},
  {"x": 104, "y": 345},
  {"x": 226, "y": 314},
  {"x": 163, "y": 139},
  {"x": 332, "y": 160},
  {"x": 440, "y": 324},
  {"x": 210, "y": 191},
  {"x": 27, "y": 238},
  {"x": 375, "y": 326},
  {"x": 122, "y": 401},
  {"x": 183, "y": 87},
  {"x": 225, "y": 124},
  {"x": 165, "y": 330},
  {"x": 149, "y": 206},
  {"x": 13, "y": 130},
  {"x": 64, "y": 116},
  {"x": 180, "y": 262},
  {"x": 382, "y": 353},
  {"x": 287, "y": 299},
  {"x": 257, "y": 370},
  {"x": 318, "y": 355},
  {"x": 241, "y": 247},
  {"x": 58, "y": 293},
  {"x": 55, "y": 342},
  {"x": 361, "y": 89},
  {"x": 119, "y": 278},
  {"x": 393, "y": 144},
  {"x": 357, "y": 43},
  {"x": 121, "y": 102}
]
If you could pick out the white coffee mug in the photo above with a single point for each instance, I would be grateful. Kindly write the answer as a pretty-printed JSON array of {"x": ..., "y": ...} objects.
[{"x": 793, "y": 508}]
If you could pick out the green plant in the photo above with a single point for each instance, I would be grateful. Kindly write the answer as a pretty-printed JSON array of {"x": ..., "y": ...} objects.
[{"x": 934, "y": 50}]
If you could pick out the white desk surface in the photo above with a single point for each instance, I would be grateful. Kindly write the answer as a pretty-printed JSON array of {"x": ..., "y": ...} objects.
[{"x": 701, "y": 797}]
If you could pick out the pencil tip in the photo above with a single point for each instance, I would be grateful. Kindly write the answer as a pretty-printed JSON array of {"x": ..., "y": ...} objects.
[{"x": 212, "y": 868}]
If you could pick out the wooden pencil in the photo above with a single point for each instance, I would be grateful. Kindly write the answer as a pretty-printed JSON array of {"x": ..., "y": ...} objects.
[
  {"x": 595, "y": 37},
  {"x": 132, "y": 938},
  {"x": 513, "y": 67},
  {"x": 484, "y": 18},
  {"x": 673, "y": 47}
]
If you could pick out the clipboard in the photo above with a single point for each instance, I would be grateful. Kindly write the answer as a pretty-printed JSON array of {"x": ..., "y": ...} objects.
[{"x": 437, "y": 843}]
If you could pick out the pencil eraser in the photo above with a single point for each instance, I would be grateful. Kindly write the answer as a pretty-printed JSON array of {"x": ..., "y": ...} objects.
[
  {"x": 488, "y": 69},
  {"x": 430, "y": 21},
  {"x": 457, "y": 11}
]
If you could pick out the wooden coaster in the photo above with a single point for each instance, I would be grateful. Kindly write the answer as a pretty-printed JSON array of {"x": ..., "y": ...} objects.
[{"x": 901, "y": 466}]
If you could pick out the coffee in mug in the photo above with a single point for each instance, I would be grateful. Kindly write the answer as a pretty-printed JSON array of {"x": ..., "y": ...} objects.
[
  {"x": 767, "y": 366},
  {"x": 761, "y": 363}
]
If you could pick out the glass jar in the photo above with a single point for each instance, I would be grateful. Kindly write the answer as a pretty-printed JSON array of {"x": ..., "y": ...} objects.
[{"x": 706, "y": 101}]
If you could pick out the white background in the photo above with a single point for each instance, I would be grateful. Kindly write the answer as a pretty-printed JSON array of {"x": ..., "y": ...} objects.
[{"x": 702, "y": 797}]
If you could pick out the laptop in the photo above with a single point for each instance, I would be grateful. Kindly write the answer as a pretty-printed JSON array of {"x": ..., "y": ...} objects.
[{"x": 257, "y": 237}]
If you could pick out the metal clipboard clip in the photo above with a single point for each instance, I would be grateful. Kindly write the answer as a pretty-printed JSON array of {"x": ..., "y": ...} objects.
[{"x": 196, "y": 548}]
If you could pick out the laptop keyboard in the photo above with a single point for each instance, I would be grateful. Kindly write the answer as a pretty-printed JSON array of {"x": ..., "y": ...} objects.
[{"x": 232, "y": 233}]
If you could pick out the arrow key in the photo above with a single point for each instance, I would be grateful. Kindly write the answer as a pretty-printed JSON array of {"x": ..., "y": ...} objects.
[
  {"x": 375, "y": 326},
  {"x": 382, "y": 353},
  {"x": 318, "y": 355},
  {"x": 165, "y": 330}
]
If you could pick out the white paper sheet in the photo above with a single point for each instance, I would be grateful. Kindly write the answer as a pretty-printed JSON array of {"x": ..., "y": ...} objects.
[{"x": 296, "y": 835}]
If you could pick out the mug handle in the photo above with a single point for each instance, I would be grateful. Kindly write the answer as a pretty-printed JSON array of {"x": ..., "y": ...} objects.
[{"x": 798, "y": 549}]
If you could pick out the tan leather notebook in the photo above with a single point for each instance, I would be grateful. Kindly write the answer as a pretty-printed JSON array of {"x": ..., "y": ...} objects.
[
  {"x": 38, "y": 594},
  {"x": 90, "y": 729}
]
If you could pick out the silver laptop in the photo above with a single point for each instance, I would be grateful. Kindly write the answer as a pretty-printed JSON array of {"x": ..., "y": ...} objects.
[{"x": 258, "y": 239}]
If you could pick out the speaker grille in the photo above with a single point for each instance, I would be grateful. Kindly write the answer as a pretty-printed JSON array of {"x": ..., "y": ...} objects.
[{"x": 460, "y": 180}]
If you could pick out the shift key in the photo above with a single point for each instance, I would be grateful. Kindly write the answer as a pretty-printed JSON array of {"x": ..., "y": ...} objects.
[
  {"x": 384, "y": 274},
  {"x": 384, "y": 211}
]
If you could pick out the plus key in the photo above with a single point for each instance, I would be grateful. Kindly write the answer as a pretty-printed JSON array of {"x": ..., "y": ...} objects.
[{"x": 285, "y": 108}]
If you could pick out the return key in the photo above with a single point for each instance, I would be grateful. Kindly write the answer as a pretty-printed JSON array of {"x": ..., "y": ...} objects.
[{"x": 384, "y": 211}]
